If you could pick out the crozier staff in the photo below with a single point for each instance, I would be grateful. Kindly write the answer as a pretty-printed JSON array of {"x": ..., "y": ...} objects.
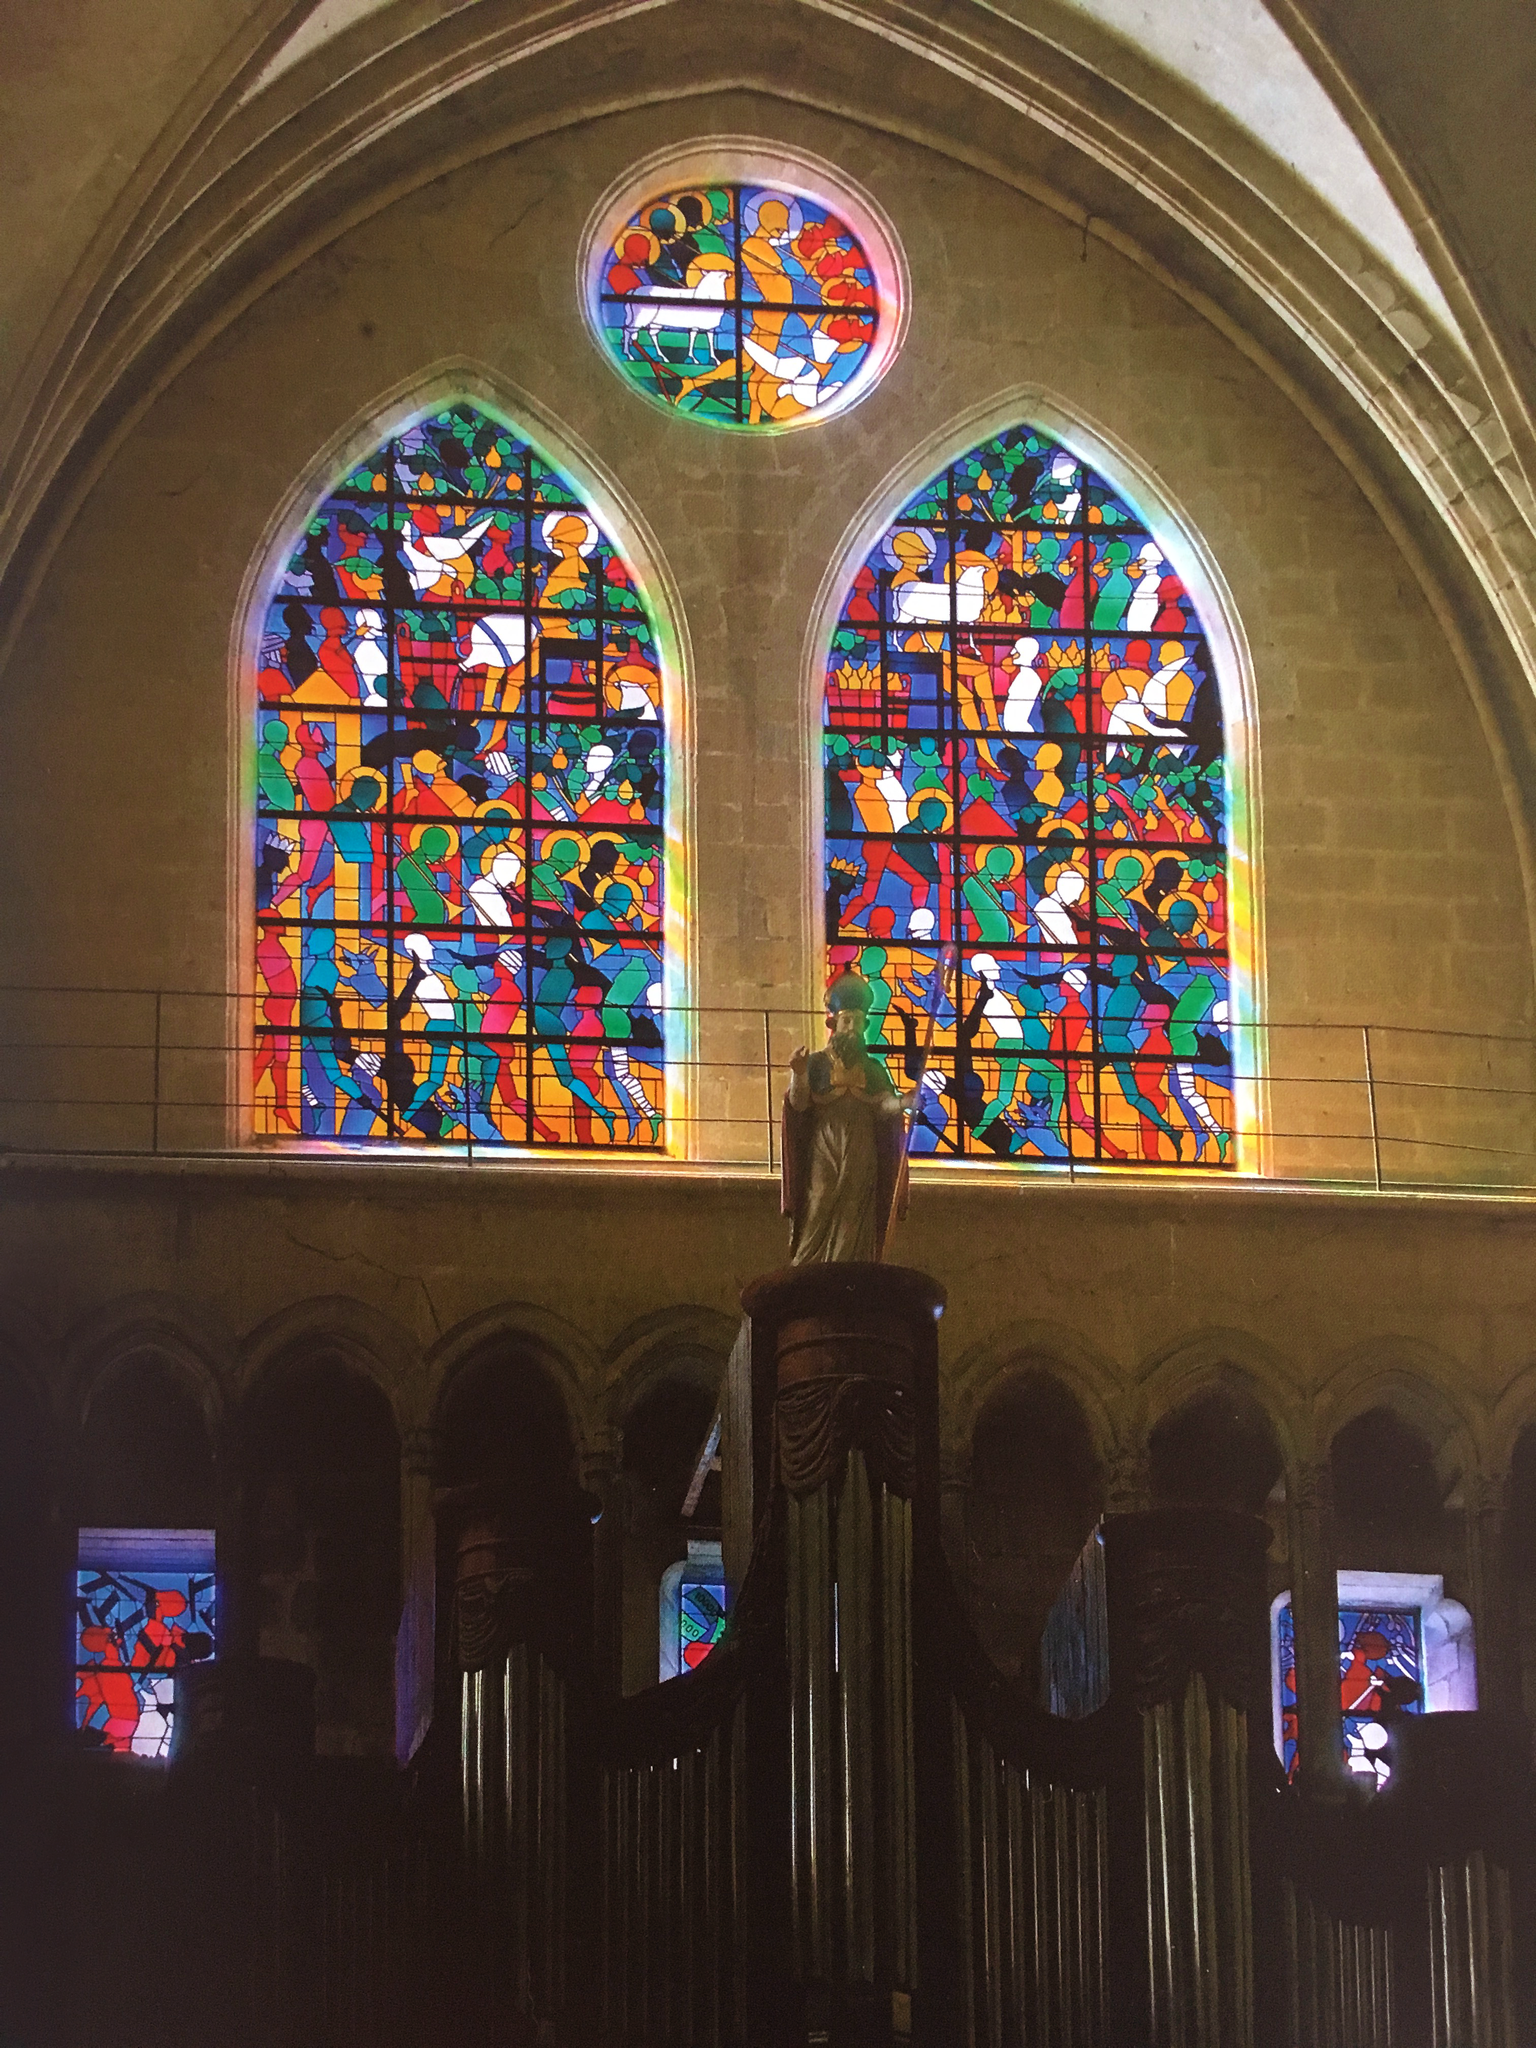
[{"x": 844, "y": 1138}]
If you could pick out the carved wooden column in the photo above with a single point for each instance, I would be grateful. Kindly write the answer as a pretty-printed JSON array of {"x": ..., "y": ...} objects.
[
  {"x": 416, "y": 1639},
  {"x": 1461, "y": 1793},
  {"x": 242, "y": 1748},
  {"x": 36, "y": 1889},
  {"x": 852, "y": 1350},
  {"x": 1187, "y": 1646},
  {"x": 1315, "y": 1616},
  {"x": 513, "y": 1743}
]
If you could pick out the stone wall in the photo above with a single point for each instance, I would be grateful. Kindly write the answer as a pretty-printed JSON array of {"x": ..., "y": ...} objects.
[
  {"x": 1305, "y": 1311},
  {"x": 1388, "y": 876}
]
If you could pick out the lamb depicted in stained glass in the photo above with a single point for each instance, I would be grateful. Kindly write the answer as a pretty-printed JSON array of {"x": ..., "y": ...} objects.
[{"x": 740, "y": 305}]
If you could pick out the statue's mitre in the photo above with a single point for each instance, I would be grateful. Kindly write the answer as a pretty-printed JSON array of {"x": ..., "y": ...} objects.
[{"x": 850, "y": 991}]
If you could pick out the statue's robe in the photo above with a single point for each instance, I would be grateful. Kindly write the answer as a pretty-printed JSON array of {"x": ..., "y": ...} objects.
[{"x": 844, "y": 1159}]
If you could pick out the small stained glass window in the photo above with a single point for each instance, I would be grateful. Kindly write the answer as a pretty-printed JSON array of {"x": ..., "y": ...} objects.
[
  {"x": 459, "y": 856},
  {"x": 1024, "y": 759},
  {"x": 693, "y": 1608},
  {"x": 144, "y": 1606},
  {"x": 701, "y": 1619},
  {"x": 1381, "y": 1672},
  {"x": 744, "y": 305}
]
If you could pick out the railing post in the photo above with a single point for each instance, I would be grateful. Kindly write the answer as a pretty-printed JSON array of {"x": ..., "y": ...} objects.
[
  {"x": 771, "y": 1107},
  {"x": 852, "y": 1356},
  {"x": 1370, "y": 1096},
  {"x": 469, "y": 1102},
  {"x": 155, "y": 1114}
]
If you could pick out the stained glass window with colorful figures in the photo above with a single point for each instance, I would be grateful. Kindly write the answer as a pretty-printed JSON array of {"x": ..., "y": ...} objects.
[
  {"x": 741, "y": 304},
  {"x": 1381, "y": 1672},
  {"x": 144, "y": 1606},
  {"x": 1024, "y": 759},
  {"x": 459, "y": 834}
]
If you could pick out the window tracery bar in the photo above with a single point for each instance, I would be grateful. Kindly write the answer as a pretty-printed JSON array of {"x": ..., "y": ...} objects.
[
  {"x": 459, "y": 843},
  {"x": 1024, "y": 757}
]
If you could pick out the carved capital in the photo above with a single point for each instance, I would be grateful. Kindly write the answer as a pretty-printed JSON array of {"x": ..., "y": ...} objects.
[
  {"x": 955, "y": 1469},
  {"x": 599, "y": 1461},
  {"x": 419, "y": 1451},
  {"x": 1128, "y": 1481},
  {"x": 1486, "y": 1494},
  {"x": 1309, "y": 1488}
]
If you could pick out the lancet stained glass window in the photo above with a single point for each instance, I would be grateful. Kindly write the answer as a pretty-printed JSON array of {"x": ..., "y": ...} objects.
[
  {"x": 740, "y": 304},
  {"x": 459, "y": 836},
  {"x": 1024, "y": 758},
  {"x": 144, "y": 1606},
  {"x": 1381, "y": 1671}
]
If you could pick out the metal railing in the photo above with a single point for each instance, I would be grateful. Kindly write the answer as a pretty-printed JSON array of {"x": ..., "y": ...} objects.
[{"x": 142, "y": 1072}]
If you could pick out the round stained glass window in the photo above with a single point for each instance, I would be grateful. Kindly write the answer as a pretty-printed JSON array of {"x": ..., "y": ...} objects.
[{"x": 745, "y": 304}]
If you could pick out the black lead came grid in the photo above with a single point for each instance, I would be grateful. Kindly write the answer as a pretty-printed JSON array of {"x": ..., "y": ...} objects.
[
  {"x": 434, "y": 705},
  {"x": 1112, "y": 1064}
]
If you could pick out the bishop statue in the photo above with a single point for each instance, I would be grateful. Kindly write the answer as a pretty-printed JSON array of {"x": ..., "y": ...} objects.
[{"x": 845, "y": 1138}]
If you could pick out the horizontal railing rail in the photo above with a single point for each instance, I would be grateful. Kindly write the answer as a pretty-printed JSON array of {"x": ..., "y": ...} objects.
[{"x": 128, "y": 1072}]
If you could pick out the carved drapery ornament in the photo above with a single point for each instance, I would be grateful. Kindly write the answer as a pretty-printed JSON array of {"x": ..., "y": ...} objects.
[
  {"x": 491, "y": 1611},
  {"x": 494, "y": 1574},
  {"x": 853, "y": 1363},
  {"x": 1189, "y": 1590},
  {"x": 820, "y": 1421}
]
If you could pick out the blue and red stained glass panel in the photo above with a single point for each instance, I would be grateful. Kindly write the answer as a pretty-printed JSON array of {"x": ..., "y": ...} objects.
[
  {"x": 134, "y": 1627},
  {"x": 739, "y": 304},
  {"x": 1381, "y": 1672},
  {"x": 459, "y": 837},
  {"x": 1024, "y": 758},
  {"x": 700, "y": 1619}
]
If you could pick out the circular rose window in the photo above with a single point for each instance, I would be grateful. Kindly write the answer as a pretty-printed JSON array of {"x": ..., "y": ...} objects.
[{"x": 753, "y": 305}]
